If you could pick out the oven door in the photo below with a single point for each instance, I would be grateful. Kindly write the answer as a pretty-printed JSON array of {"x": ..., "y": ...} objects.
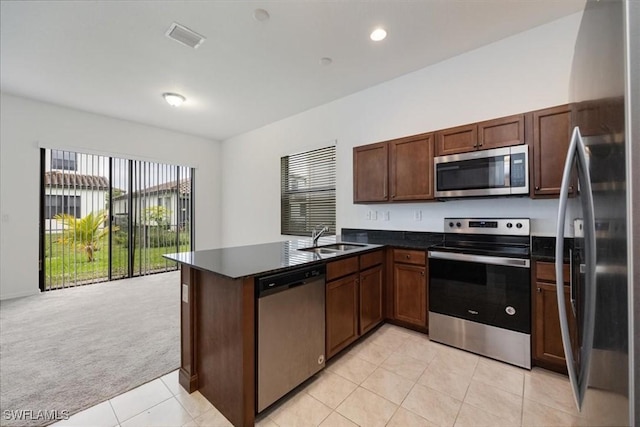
[{"x": 486, "y": 289}]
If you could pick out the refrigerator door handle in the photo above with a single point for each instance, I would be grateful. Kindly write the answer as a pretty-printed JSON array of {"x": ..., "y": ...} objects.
[
  {"x": 578, "y": 375},
  {"x": 572, "y": 294}
]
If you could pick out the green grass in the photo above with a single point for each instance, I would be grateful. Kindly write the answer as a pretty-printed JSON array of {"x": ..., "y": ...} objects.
[{"x": 68, "y": 266}]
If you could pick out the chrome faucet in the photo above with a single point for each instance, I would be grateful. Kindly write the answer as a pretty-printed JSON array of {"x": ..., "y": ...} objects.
[{"x": 315, "y": 233}]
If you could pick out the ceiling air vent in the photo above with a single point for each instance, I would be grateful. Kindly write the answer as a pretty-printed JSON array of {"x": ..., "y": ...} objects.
[{"x": 185, "y": 36}]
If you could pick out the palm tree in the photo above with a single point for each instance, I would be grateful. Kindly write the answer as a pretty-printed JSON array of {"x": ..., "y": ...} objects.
[{"x": 83, "y": 233}]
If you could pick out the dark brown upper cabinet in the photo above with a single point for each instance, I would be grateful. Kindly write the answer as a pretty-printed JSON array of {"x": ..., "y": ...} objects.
[
  {"x": 456, "y": 140},
  {"x": 370, "y": 173},
  {"x": 404, "y": 165},
  {"x": 496, "y": 133},
  {"x": 402, "y": 169},
  {"x": 411, "y": 168},
  {"x": 502, "y": 132},
  {"x": 551, "y": 134}
]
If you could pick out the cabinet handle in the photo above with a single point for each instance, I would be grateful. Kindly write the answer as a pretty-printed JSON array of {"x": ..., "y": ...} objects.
[
  {"x": 422, "y": 273},
  {"x": 571, "y": 188},
  {"x": 539, "y": 290},
  {"x": 408, "y": 256},
  {"x": 537, "y": 188}
]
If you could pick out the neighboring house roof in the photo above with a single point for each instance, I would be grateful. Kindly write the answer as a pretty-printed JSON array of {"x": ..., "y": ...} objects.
[
  {"x": 75, "y": 180},
  {"x": 168, "y": 187}
]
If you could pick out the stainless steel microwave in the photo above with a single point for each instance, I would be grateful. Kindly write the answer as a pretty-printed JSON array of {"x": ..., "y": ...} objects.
[{"x": 496, "y": 172}]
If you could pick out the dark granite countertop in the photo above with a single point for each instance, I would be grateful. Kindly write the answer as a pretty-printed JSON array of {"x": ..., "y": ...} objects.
[
  {"x": 401, "y": 239},
  {"x": 252, "y": 260},
  {"x": 544, "y": 248}
]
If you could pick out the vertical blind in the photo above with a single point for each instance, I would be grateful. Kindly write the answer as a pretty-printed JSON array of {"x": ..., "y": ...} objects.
[{"x": 308, "y": 191}]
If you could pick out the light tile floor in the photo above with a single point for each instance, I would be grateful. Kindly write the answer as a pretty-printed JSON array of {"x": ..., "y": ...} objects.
[{"x": 395, "y": 377}]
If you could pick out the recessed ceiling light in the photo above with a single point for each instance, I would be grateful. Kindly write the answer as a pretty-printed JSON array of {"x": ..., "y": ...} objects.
[
  {"x": 378, "y": 34},
  {"x": 326, "y": 61},
  {"x": 260, "y": 15},
  {"x": 173, "y": 99}
]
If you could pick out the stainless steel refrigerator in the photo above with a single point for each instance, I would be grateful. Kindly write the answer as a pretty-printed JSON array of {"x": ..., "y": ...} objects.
[{"x": 603, "y": 157}]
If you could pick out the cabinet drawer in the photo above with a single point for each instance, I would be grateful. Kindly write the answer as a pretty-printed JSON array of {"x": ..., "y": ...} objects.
[
  {"x": 342, "y": 267},
  {"x": 547, "y": 271},
  {"x": 370, "y": 259},
  {"x": 409, "y": 256}
]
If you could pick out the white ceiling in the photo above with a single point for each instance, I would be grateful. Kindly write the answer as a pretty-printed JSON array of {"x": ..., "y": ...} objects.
[{"x": 112, "y": 57}]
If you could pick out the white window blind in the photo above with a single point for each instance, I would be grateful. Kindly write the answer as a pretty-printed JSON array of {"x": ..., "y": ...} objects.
[{"x": 308, "y": 196}]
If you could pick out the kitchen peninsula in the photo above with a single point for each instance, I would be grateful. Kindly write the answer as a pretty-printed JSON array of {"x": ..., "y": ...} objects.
[{"x": 218, "y": 316}]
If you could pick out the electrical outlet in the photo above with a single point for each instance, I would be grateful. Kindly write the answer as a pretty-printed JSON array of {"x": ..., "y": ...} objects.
[
  {"x": 374, "y": 215},
  {"x": 185, "y": 293},
  {"x": 368, "y": 215},
  {"x": 417, "y": 215},
  {"x": 386, "y": 215}
]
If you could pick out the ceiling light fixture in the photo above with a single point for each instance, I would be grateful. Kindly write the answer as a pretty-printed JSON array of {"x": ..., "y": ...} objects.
[
  {"x": 378, "y": 34},
  {"x": 173, "y": 99}
]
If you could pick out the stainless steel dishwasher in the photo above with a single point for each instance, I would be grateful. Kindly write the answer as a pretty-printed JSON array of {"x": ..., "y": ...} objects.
[{"x": 291, "y": 331}]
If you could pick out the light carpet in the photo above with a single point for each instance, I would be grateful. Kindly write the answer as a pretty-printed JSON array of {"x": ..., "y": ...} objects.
[{"x": 70, "y": 349}]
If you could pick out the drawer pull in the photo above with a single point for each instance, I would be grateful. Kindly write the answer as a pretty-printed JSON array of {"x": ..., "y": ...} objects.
[
  {"x": 539, "y": 290},
  {"x": 408, "y": 256}
]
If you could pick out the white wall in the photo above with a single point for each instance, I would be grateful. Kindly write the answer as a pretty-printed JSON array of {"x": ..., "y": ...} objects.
[
  {"x": 525, "y": 72},
  {"x": 26, "y": 123}
]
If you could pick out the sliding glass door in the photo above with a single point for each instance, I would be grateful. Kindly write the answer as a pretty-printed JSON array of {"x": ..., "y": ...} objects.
[{"x": 105, "y": 218}]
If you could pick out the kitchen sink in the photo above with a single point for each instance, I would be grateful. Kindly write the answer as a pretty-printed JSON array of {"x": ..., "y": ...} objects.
[
  {"x": 342, "y": 246},
  {"x": 332, "y": 248},
  {"x": 322, "y": 251}
]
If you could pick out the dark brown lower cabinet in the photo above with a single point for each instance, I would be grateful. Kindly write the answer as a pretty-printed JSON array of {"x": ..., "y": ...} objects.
[
  {"x": 342, "y": 313},
  {"x": 354, "y": 302},
  {"x": 370, "y": 298},
  {"x": 410, "y": 293},
  {"x": 548, "y": 351}
]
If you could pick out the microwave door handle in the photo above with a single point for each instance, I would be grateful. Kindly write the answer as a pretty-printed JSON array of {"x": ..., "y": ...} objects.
[{"x": 507, "y": 171}]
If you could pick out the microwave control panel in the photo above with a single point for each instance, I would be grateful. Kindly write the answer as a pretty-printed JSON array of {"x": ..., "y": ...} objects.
[{"x": 518, "y": 170}]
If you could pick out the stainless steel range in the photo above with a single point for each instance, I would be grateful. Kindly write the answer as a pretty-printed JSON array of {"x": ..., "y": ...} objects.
[{"x": 480, "y": 288}]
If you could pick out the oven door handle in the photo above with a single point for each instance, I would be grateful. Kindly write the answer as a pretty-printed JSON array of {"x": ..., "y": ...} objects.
[{"x": 484, "y": 259}]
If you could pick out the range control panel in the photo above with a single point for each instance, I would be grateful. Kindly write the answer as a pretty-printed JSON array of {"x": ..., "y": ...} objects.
[{"x": 502, "y": 226}]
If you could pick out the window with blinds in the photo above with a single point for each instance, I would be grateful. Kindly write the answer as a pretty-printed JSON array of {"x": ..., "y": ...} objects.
[{"x": 308, "y": 196}]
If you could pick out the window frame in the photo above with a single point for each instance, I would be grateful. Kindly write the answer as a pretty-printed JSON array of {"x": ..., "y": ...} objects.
[
  {"x": 62, "y": 205},
  {"x": 309, "y": 192},
  {"x": 62, "y": 160}
]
